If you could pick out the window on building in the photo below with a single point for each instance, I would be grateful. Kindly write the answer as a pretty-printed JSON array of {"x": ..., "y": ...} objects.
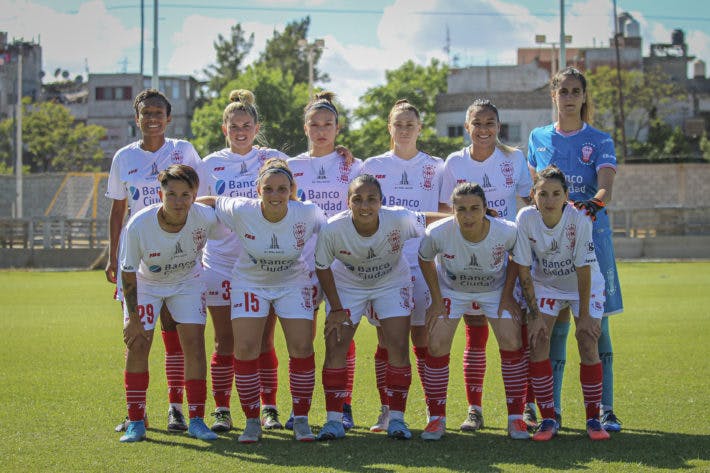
[
  {"x": 510, "y": 132},
  {"x": 455, "y": 131},
  {"x": 114, "y": 93}
]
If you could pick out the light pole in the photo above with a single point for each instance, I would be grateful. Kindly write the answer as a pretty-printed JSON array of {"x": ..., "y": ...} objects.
[
  {"x": 311, "y": 49},
  {"x": 542, "y": 39}
]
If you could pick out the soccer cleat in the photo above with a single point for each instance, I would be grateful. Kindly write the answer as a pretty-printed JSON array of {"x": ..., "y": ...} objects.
[
  {"x": 289, "y": 422},
  {"x": 348, "y": 422},
  {"x": 222, "y": 421},
  {"x": 199, "y": 429},
  {"x": 548, "y": 428},
  {"x": 610, "y": 422},
  {"x": 124, "y": 425},
  {"x": 135, "y": 432},
  {"x": 176, "y": 421},
  {"x": 473, "y": 422},
  {"x": 398, "y": 430},
  {"x": 302, "y": 431},
  {"x": 518, "y": 429},
  {"x": 435, "y": 429},
  {"x": 331, "y": 430},
  {"x": 252, "y": 431},
  {"x": 596, "y": 431},
  {"x": 383, "y": 420},
  {"x": 530, "y": 417},
  {"x": 270, "y": 419}
]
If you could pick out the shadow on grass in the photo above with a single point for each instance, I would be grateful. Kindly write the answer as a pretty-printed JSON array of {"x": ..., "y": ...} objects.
[{"x": 362, "y": 451}]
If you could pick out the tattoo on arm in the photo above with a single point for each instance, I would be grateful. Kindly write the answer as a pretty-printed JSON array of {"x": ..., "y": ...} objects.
[
  {"x": 529, "y": 293},
  {"x": 130, "y": 294}
]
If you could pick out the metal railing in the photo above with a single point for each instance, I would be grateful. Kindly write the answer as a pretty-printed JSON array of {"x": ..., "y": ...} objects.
[{"x": 53, "y": 232}]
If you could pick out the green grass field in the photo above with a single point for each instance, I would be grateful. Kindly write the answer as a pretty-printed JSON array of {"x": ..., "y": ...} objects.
[{"x": 62, "y": 393}]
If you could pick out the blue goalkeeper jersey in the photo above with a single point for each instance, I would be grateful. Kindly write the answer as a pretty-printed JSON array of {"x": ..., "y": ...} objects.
[{"x": 580, "y": 156}]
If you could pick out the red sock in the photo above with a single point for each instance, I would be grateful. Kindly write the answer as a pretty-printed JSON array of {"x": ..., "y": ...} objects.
[
  {"x": 222, "y": 372},
  {"x": 268, "y": 377},
  {"x": 420, "y": 354},
  {"x": 529, "y": 393},
  {"x": 196, "y": 396},
  {"x": 474, "y": 363},
  {"x": 541, "y": 378},
  {"x": 437, "y": 384},
  {"x": 334, "y": 382},
  {"x": 591, "y": 378},
  {"x": 302, "y": 376},
  {"x": 381, "y": 357},
  {"x": 136, "y": 385},
  {"x": 515, "y": 379},
  {"x": 174, "y": 366},
  {"x": 350, "y": 365},
  {"x": 399, "y": 378},
  {"x": 246, "y": 378}
]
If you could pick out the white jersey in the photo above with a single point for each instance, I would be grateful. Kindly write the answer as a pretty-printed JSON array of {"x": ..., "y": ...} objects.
[
  {"x": 555, "y": 253},
  {"x": 503, "y": 177},
  {"x": 465, "y": 266},
  {"x": 232, "y": 175},
  {"x": 373, "y": 261},
  {"x": 134, "y": 171},
  {"x": 271, "y": 253},
  {"x": 411, "y": 183},
  {"x": 162, "y": 258}
]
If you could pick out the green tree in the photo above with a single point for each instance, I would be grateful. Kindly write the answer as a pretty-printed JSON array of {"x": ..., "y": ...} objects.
[
  {"x": 649, "y": 97},
  {"x": 416, "y": 83},
  {"x": 283, "y": 52},
  {"x": 230, "y": 54},
  {"x": 53, "y": 140},
  {"x": 280, "y": 103}
]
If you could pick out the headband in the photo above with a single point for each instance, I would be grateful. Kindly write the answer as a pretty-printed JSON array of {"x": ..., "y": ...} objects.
[
  {"x": 326, "y": 106},
  {"x": 273, "y": 171}
]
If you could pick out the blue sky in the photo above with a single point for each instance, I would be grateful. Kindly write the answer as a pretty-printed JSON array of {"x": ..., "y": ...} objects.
[{"x": 363, "y": 38}]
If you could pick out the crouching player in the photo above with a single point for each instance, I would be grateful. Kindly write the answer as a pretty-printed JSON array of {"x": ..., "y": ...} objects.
[{"x": 160, "y": 265}]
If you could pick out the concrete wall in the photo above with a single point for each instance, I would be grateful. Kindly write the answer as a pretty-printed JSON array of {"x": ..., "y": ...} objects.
[
  {"x": 661, "y": 185},
  {"x": 75, "y": 258}
]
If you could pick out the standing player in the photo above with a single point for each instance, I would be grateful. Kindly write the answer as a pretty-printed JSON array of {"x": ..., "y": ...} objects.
[
  {"x": 270, "y": 273},
  {"x": 503, "y": 174},
  {"x": 412, "y": 179},
  {"x": 232, "y": 172},
  {"x": 587, "y": 157},
  {"x": 559, "y": 270},
  {"x": 322, "y": 175},
  {"x": 360, "y": 268},
  {"x": 471, "y": 251},
  {"x": 160, "y": 265},
  {"x": 133, "y": 185}
]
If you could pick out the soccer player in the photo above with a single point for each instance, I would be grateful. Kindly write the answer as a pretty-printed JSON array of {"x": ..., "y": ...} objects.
[
  {"x": 412, "y": 179},
  {"x": 232, "y": 172},
  {"x": 503, "y": 173},
  {"x": 558, "y": 270},
  {"x": 270, "y": 272},
  {"x": 360, "y": 268},
  {"x": 471, "y": 251},
  {"x": 133, "y": 185},
  {"x": 322, "y": 174},
  {"x": 587, "y": 157},
  {"x": 160, "y": 265}
]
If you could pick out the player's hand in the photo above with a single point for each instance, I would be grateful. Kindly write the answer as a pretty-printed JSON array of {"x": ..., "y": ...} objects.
[
  {"x": 110, "y": 271},
  {"x": 335, "y": 321},
  {"x": 537, "y": 332},
  {"x": 345, "y": 153},
  {"x": 133, "y": 331},
  {"x": 434, "y": 312},
  {"x": 590, "y": 207},
  {"x": 510, "y": 305},
  {"x": 586, "y": 326}
]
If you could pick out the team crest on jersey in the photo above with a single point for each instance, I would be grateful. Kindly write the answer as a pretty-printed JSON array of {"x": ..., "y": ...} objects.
[
  {"x": 498, "y": 253},
  {"x": 176, "y": 157},
  {"x": 344, "y": 170},
  {"x": 395, "y": 240},
  {"x": 486, "y": 182},
  {"x": 587, "y": 150},
  {"x": 274, "y": 242},
  {"x": 307, "y": 298},
  {"x": 243, "y": 169},
  {"x": 554, "y": 247},
  {"x": 571, "y": 234},
  {"x": 262, "y": 156},
  {"x": 371, "y": 254},
  {"x": 404, "y": 180},
  {"x": 428, "y": 173},
  {"x": 199, "y": 236},
  {"x": 299, "y": 231},
  {"x": 473, "y": 262},
  {"x": 154, "y": 170},
  {"x": 322, "y": 176},
  {"x": 178, "y": 249},
  {"x": 506, "y": 167},
  {"x": 406, "y": 302}
]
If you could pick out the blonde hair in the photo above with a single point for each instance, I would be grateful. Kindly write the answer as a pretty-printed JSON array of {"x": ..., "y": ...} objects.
[
  {"x": 277, "y": 166},
  {"x": 401, "y": 105},
  {"x": 486, "y": 104},
  {"x": 242, "y": 100},
  {"x": 321, "y": 101}
]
